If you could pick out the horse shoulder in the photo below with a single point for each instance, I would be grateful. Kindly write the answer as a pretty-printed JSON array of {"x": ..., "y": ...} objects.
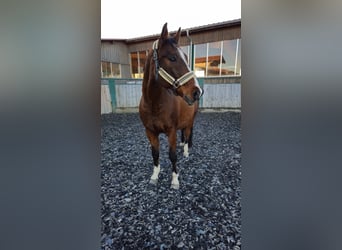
[{"x": 186, "y": 115}]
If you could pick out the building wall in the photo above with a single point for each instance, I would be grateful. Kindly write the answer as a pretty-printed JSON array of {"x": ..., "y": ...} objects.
[
  {"x": 222, "y": 95},
  {"x": 106, "y": 101},
  {"x": 116, "y": 52},
  {"x": 197, "y": 36},
  {"x": 229, "y": 33}
]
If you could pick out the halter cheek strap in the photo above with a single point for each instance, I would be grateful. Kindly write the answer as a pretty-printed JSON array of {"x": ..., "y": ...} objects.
[
  {"x": 155, "y": 58},
  {"x": 176, "y": 83}
]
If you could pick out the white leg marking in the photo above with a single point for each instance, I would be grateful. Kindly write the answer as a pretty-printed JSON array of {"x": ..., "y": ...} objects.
[
  {"x": 186, "y": 150},
  {"x": 174, "y": 182},
  {"x": 154, "y": 177},
  {"x": 181, "y": 144}
]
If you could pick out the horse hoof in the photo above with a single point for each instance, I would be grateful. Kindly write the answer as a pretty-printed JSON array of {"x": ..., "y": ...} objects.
[
  {"x": 154, "y": 181},
  {"x": 186, "y": 154},
  {"x": 175, "y": 186}
]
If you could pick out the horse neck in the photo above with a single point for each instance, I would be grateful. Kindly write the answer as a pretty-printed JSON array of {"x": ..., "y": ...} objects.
[{"x": 152, "y": 90}]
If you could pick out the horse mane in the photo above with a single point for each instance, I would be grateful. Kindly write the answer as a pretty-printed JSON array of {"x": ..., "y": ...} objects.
[
  {"x": 147, "y": 66},
  {"x": 148, "y": 73}
]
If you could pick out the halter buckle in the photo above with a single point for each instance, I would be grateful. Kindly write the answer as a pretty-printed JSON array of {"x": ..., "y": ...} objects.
[{"x": 176, "y": 83}]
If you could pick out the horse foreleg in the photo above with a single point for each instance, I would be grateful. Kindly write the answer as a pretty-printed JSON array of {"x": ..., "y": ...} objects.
[
  {"x": 172, "y": 137},
  {"x": 154, "y": 140}
]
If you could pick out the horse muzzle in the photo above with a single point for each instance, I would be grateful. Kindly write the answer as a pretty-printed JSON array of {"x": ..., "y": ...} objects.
[
  {"x": 196, "y": 95},
  {"x": 189, "y": 100}
]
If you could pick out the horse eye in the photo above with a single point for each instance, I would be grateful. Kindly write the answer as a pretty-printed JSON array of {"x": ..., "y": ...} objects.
[{"x": 172, "y": 58}]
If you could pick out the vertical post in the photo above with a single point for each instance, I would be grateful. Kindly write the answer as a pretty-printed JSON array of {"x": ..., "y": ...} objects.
[
  {"x": 192, "y": 56},
  {"x": 236, "y": 55},
  {"x": 206, "y": 60},
  {"x": 111, "y": 84},
  {"x": 111, "y": 69},
  {"x": 138, "y": 56},
  {"x": 101, "y": 70},
  {"x": 221, "y": 56},
  {"x": 201, "y": 83}
]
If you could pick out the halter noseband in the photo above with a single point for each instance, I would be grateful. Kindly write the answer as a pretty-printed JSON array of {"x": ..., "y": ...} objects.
[{"x": 176, "y": 83}]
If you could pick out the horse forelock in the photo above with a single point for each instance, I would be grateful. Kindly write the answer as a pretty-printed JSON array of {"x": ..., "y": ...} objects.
[{"x": 170, "y": 41}]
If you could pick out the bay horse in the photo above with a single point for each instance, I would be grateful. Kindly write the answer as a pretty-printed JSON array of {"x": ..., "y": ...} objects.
[{"x": 169, "y": 101}]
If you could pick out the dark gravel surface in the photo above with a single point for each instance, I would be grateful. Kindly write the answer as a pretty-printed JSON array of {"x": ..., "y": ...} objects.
[{"x": 205, "y": 213}]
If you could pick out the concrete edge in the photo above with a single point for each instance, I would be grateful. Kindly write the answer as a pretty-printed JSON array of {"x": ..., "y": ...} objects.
[{"x": 202, "y": 110}]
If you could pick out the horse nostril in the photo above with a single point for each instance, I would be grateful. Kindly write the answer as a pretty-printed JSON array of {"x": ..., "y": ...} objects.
[{"x": 196, "y": 94}]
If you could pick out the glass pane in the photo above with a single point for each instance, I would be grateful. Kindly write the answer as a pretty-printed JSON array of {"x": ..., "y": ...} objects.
[
  {"x": 142, "y": 58},
  {"x": 214, "y": 59},
  {"x": 228, "y": 59},
  {"x": 200, "y": 59},
  {"x": 134, "y": 64},
  {"x": 102, "y": 69},
  {"x": 116, "y": 70},
  {"x": 238, "y": 63},
  {"x": 186, "y": 49},
  {"x": 106, "y": 71}
]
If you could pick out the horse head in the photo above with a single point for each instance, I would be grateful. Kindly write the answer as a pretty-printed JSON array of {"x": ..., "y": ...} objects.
[{"x": 172, "y": 69}]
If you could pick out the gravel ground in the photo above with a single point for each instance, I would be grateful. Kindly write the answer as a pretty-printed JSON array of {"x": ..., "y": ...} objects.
[{"x": 205, "y": 213}]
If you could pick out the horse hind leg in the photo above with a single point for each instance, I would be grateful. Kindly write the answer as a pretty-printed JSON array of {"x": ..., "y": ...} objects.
[
  {"x": 182, "y": 138},
  {"x": 172, "y": 137},
  {"x": 187, "y": 141},
  {"x": 154, "y": 140}
]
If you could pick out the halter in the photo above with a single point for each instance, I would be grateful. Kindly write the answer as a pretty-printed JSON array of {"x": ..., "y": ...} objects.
[{"x": 176, "y": 83}]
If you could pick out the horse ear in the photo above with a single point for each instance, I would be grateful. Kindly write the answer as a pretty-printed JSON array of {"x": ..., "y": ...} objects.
[
  {"x": 164, "y": 33},
  {"x": 176, "y": 37}
]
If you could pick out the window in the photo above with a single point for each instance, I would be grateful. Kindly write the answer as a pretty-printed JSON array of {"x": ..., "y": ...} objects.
[
  {"x": 134, "y": 63},
  {"x": 201, "y": 59},
  {"x": 116, "y": 70},
  {"x": 238, "y": 60},
  {"x": 218, "y": 58},
  {"x": 105, "y": 68},
  {"x": 214, "y": 59},
  {"x": 222, "y": 58},
  {"x": 186, "y": 50},
  {"x": 109, "y": 69},
  {"x": 230, "y": 56},
  {"x": 138, "y": 60},
  {"x": 142, "y": 58}
]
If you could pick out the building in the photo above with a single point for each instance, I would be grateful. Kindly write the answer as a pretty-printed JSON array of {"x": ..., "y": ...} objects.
[{"x": 214, "y": 53}]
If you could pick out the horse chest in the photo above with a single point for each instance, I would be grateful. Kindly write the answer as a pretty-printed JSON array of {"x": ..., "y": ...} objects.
[{"x": 160, "y": 123}]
